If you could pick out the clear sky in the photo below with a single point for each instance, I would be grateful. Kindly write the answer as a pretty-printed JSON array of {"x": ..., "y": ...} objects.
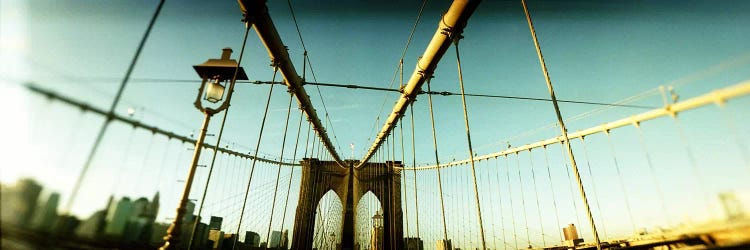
[{"x": 599, "y": 51}]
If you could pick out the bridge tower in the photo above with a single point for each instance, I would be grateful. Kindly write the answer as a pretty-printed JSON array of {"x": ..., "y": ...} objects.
[{"x": 350, "y": 184}]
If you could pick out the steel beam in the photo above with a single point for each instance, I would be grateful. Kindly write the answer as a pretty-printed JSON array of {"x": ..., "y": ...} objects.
[
  {"x": 256, "y": 13},
  {"x": 449, "y": 27}
]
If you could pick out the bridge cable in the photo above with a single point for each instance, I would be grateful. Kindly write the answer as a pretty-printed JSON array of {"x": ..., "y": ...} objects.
[
  {"x": 105, "y": 125},
  {"x": 564, "y": 132},
  {"x": 121, "y": 165},
  {"x": 500, "y": 198},
  {"x": 255, "y": 158},
  {"x": 570, "y": 183},
  {"x": 468, "y": 138},
  {"x": 523, "y": 200},
  {"x": 401, "y": 63},
  {"x": 622, "y": 182},
  {"x": 486, "y": 178},
  {"x": 403, "y": 175},
  {"x": 291, "y": 172},
  {"x": 208, "y": 180},
  {"x": 731, "y": 123},
  {"x": 278, "y": 172},
  {"x": 593, "y": 185},
  {"x": 437, "y": 162},
  {"x": 142, "y": 169},
  {"x": 414, "y": 163},
  {"x": 306, "y": 59},
  {"x": 510, "y": 198},
  {"x": 536, "y": 194},
  {"x": 693, "y": 164},
  {"x": 652, "y": 170}
]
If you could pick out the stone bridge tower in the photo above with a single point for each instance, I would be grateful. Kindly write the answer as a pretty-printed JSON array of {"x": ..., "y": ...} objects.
[{"x": 349, "y": 184}]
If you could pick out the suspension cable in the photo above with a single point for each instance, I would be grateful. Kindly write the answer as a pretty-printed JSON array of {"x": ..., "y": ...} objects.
[
  {"x": 291, "y": 172},
  {"x": 468, "y": 138},
  {"x": 523, "y": 200},
  {"x": 257, "y": 149},
  {"x": 414, "y": 163},
  {"x": 437, "y": 162},
  {"x": 536, "y": 194},
  {"x": 108, "y": 120},
  {"x": 593, "y": 186},
  {"x": 510, "y": 198},
  {"x": 564, "y": 132},
  {"x": 278, "y": 172}
]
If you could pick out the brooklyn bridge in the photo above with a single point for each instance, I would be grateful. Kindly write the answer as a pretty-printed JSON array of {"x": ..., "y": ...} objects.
[{"x": 548, "y": 125}]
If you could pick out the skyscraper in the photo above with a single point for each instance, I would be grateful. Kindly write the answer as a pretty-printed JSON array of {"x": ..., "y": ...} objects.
[
  {"x": 117, "y": 218},
  {"x": 284, "y": 244},
  {"x": 19, "y": 202},
  {"x": 252, "y": 239},
  {"x": 46, "y": 215},
  {"x": 376, "y": 234},
  {"x": 275, "y": 239},
  {"x": 215, "y": 223},
  {"x": 444, "y": 245},
  {"x": 413, "y": 243}
]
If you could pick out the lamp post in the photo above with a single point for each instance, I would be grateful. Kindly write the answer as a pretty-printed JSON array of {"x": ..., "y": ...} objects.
[{"x": 214, "y": 72}]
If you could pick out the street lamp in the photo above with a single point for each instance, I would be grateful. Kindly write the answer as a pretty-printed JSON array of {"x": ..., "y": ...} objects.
[{"x": 214, "y": 72}]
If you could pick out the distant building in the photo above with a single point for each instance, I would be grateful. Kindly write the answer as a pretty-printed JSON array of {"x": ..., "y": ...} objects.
[
  {"x": 376, "y": 233},
  {"x": 158, "y": 233},
  {"x": 19, "y": 202},
  {"x": 217, "y": 237},
  {"x": 228, "y": 241},
  {"x": 284, "y": 244},
  {"x": 46, "y": 215},
  {"x": 571, "y": 236},
  {"x": 201, "y": 235},
  {"x": 215, "y": 223},
  {"x": 732, "y": 206},
  {"x": 252, "y": 239},
  {"x": 117, "y": 218},
  {"x": 92, "y": 227},
  {"x": 443, "y": 245},
  {"x": 413, "y": 244},
  {"x": 275, "y": 239},
  {"x": 65, "y": 226}
]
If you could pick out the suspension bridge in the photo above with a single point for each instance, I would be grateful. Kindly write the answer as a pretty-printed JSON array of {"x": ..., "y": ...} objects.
[{"x": 661, "y": 169}]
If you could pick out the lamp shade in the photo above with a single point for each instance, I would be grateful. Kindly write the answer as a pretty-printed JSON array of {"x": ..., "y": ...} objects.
[{"x": 214, "y": 90}]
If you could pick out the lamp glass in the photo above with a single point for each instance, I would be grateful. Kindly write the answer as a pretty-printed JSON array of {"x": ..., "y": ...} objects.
[{"x": 214, "y": 90}]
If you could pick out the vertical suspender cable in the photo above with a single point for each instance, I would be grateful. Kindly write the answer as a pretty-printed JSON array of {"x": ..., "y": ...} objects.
[
  {"x": 593, "y": 186},
  {"x": 291, "y": 173},
  {"x": 536, "y": 193},
  {"x": 471, "y": 150},
  {"x": 562, "y": 125},
  {"x": 103, "y": 129},
  {"x": 414, "y": 165},
  {"x": 255, "y": 157},
  {"x": 523, "y": 200},
  {"x": 437, "y": 162},
  {"x": 278, "y": 172}
]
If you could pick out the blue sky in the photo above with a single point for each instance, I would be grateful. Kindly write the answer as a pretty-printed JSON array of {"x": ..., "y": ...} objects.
[{"x": 595, "y": 51}]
